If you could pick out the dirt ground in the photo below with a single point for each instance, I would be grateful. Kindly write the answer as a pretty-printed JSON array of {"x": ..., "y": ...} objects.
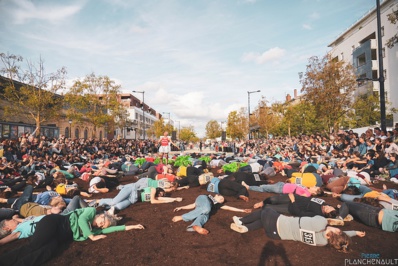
[{"x": 166, "y": 243}]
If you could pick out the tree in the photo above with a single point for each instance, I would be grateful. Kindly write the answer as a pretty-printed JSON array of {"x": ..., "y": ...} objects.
[
  {"x": 213, "y": 129},
  {"x": 237, "y": 124},
  {"x": 393, "y": 18},
  {"x": 328, "y": 86},
  {"x": 31, "y": 92},
  {"x": 188, "y": 134},
  {"x": 365, "y": 111},
  {"x": 95, "y": 100}
]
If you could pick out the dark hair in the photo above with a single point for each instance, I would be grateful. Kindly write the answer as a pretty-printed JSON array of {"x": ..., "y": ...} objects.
[
  {"x": 370, "y": 201},
  {"x": 158, "y": 191},
  {"x": 101, "y": 184},
  {"x": 332, "y": 214},
  {"x": 351, "y": 190},
  {"x": 73, "y": 192}
]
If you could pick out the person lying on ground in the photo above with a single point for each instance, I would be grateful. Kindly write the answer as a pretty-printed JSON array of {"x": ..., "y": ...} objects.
[
  {"x": 52, "y": 231},
  {"x": 384, "y": 219},
  {"x": 281, "y": 227},
  {"x": 228, "y": 188},
  {"x": 204, "y": 206},
  {"x": 286, "y": 188},
  {"x": 144, "y": 190}
]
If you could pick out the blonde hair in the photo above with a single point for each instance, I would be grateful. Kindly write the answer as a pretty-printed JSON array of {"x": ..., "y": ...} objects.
[{"x": 57, "y": 202}]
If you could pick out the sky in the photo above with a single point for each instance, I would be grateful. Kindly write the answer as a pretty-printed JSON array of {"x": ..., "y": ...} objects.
[{"x": 195, "y": 59}]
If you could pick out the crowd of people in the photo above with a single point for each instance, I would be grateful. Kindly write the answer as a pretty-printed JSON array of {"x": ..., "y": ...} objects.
[{"x": 344, "y": 165}]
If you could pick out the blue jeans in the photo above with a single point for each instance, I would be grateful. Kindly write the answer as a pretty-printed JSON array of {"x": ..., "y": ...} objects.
[
  {"x": 24, "y": 198},
  {"x": 75, "y": 203},
  {"x": 392, "y": 193},
  {"x": 362, "y": 212},
  {"x": 362, "y": 189},
  {"x": 200, "y": 214},
  {"x": 273, "y": 188},
  {"x": 127, "y": 195}
]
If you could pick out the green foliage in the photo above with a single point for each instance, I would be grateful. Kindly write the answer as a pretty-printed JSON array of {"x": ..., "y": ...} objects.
[
  {"x": 139, "y": 161},
  {"x": 233, "y": 167},
  {"x": 207, "y": 159},
  {"x": 188, "y": 134},
  {"x": 183, "y": 160}
]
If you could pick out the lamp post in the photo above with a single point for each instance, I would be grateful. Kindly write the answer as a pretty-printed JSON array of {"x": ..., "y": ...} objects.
[
  {"x": 70, "y": 128},
  {"x": 178, "y": 128},
  {"x": 381, "y": 69},
  {"x": 143, "y": 111},
  {"x": 248, "y": 108}
]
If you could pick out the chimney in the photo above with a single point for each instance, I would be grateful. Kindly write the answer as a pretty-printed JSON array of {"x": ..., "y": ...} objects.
[
  {"x": 295, "y": 93},
  {"x": 288, "y": 98}
]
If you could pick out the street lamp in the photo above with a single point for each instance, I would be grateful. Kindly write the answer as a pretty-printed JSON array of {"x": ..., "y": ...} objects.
[
  {"x": 178, "y": 128},
  {"x": 70, "y": 128},
  {"x": 143, "y": 110},
  {"x": 381, "y": 70},
  {"x": 248, "y": 107}
]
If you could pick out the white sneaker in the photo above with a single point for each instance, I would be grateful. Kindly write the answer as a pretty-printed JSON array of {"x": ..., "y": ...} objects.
[
  {"x": 111, "y": 211},
  {"x": 239, "y": 228},
  {"x": 237, "y": 220}
]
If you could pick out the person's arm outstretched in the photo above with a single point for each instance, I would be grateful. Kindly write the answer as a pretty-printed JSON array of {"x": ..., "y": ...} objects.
[{"x": 229, "y": 208}]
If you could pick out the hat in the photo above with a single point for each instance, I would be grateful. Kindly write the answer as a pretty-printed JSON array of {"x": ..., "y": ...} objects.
[{"x": 25, "y": 156}]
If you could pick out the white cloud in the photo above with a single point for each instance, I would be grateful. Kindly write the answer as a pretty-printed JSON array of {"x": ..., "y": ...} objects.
[
  {"x": 24, "y": 10},
  {"x": 307, "y": 26},
  {"x": 315, "y": 16},
  {"x": 272, "y": 54}
]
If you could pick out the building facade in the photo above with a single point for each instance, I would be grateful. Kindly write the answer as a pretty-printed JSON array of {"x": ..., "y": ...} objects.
[
  {"x": 358, "y": 45},
  {"x": 140, "y": 117}
]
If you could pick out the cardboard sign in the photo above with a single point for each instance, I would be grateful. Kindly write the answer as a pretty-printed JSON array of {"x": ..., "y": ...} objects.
[
  {"x": 161, "y": 183},
  {"x": 394, "y": 207},
  {"x": 319, "y": 201},
  {"x": 211, "y": 188},
  {"x": 308, "y": 237},
  {"x": 257, "y": 177}
]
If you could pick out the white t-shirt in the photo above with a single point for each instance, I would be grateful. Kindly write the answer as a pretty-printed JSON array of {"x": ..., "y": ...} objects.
[{"x": 93, "y": 182}]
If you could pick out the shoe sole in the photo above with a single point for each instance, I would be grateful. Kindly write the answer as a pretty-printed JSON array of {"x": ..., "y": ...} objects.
[
  {"x": 335, "y": 222},
  {"x": 239, "y": 229},
  {"x": 237, "y": 220}
]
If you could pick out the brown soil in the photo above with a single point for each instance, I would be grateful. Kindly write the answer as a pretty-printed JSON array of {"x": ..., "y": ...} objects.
[{"x": 166, "y": 243}]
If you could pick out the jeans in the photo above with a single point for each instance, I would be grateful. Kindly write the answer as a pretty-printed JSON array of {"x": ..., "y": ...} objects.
[
  {"x": 75, "y": 203},
  {"x": 200, "y": 214},
  {"x": 25, "y": 197},
  {"x": 127, "y": 195},
  {"x": 392, "y": 193},
  {"x": 274, "y": 188},
  {"x": 362, "y": 189},
  {"x": 362, "y": 212}
]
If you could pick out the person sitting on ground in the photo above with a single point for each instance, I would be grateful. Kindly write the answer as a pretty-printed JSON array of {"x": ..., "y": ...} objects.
[
  {"x": 281, "y": 227},
  {"x": 204, "y": 206}
]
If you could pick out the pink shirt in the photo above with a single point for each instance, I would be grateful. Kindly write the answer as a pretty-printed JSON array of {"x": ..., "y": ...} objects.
[{"x": 296, "y": 189}]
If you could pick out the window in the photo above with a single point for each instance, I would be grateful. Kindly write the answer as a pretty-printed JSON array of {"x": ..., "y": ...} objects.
[
  {"x": 342, "y": 56},
  {"x": 86, "y": 133},
  {"x": 383, "y": 51},
  {"x": 67, "y": 132},
  {"x": 76, "y": 133},
  {"x": 385, "y": 73},
  {"x": 382, "y": 31},
  {"x": 361, "y": 60}
]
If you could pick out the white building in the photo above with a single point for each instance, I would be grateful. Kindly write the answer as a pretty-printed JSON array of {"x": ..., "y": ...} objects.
[
  {"x": 358, "y": 45},
  {"x": 141, "y": 116}
]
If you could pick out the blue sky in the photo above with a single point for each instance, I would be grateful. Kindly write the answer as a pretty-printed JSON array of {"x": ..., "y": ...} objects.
[{"x": 193, "y": 58}]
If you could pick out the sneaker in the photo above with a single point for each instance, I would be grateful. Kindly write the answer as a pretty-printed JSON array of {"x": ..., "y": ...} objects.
[
  {"x": 239, "y": 228},
  {"x": 237, "y": 220},
  {"x": 93, "y": 203},
  {"x": 111, "y": 211},
  {"x": 117, "y": 218},
  {"x": 348, "y": 218},
  {"x": 335, "y": 222},
  {"x": 119, "y": 187}
]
